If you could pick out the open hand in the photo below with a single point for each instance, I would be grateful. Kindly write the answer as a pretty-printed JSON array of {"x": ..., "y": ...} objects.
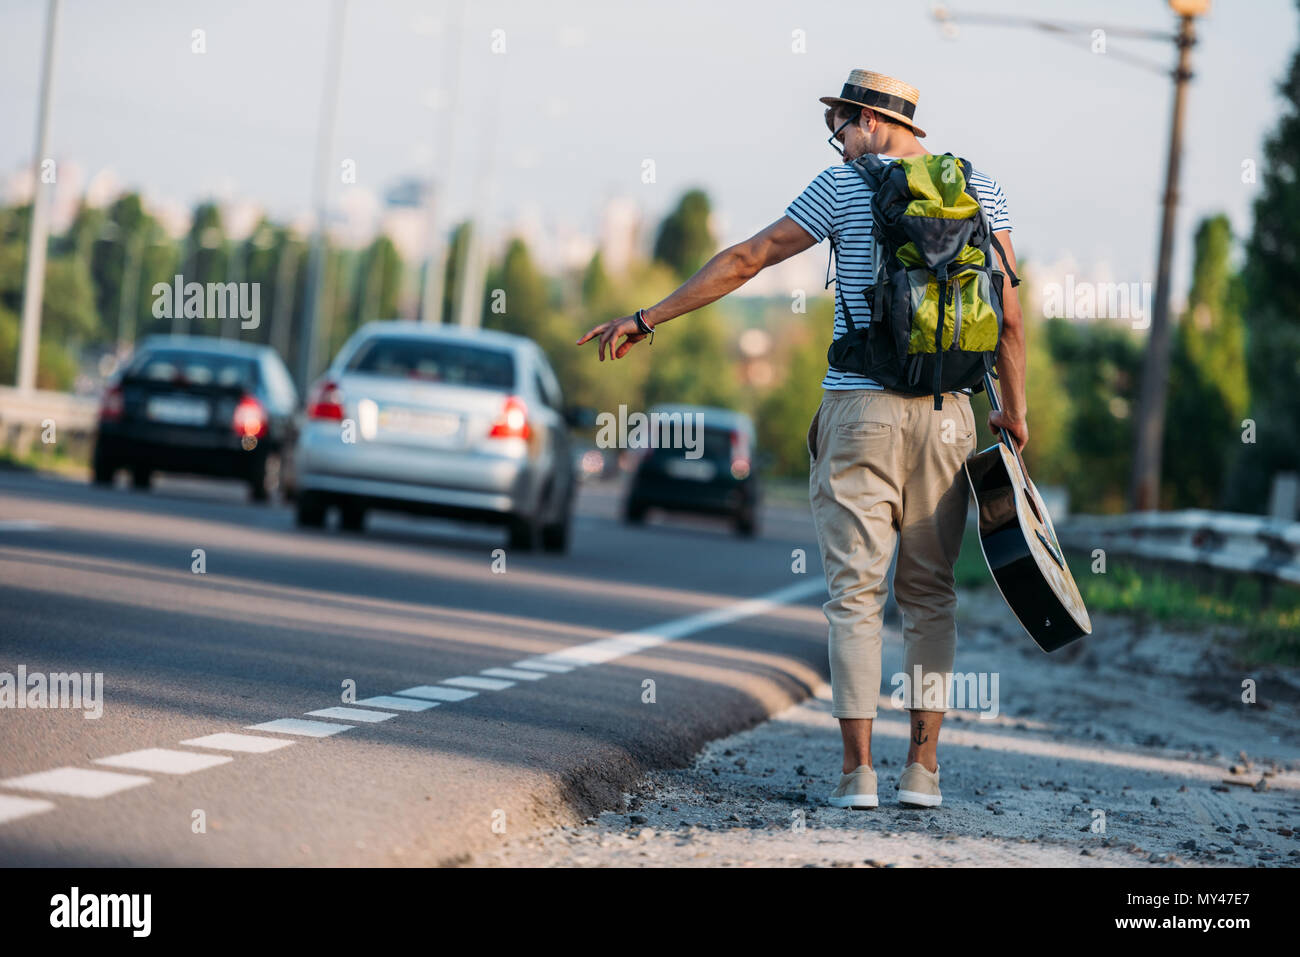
[{"x": 609, "y": 331}]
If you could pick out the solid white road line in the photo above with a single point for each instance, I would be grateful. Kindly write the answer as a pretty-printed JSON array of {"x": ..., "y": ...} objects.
[
  {"x": 308, "y": 729},
  {"x": 397, "y": 704},
  {"x": 432, "y": 693},
  {"x": 515, "y": 673},
  {"x": 482, "y": 684},
  {"x": 630, "y": 642},
  {"x": 22, "y": 525},
  {"x": 76, "y": 782},
  {"x": 540, "y": 665},
  {"x": 353, "y": 714},
  {"x": 226, "y": 741},
  {"x": 164, "y": 761},
  {"x": 12, "y": 807}
]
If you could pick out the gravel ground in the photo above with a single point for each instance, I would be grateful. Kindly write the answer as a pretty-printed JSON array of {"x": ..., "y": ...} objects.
[{"x": 1131, "y": 748}]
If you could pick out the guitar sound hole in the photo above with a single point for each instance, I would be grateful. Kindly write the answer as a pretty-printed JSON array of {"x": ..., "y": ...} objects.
[{"x": 1033, "y": 506}]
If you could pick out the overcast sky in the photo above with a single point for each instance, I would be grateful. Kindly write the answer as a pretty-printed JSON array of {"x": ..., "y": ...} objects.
[{"x": 711, "y": 91}]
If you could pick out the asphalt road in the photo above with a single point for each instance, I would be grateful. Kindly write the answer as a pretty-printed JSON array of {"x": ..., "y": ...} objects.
[{"x": 102, "y": 581}]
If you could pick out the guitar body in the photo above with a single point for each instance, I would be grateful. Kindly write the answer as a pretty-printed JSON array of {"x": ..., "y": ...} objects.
[{"x": 1021, "y": 549}]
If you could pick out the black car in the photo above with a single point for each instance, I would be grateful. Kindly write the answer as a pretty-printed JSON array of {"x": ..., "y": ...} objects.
[
  {"x": 198, "y": 405},
  {"x": 706, "y": 469}
]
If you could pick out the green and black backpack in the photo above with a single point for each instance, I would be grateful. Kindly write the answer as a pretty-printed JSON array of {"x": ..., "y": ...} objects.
[{"x": 936, "y": 311}]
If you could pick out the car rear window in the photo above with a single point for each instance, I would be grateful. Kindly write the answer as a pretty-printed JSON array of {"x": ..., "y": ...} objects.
[
  {"x": 716, "y": 445},
  {"x": 194, "y": 368},
  {"x": 433, "y": 360}
]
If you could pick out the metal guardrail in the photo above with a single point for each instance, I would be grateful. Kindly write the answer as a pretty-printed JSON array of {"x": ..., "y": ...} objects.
[
  {"x": 23, "y": 417},
  {"x": 1250, "y": 544}
]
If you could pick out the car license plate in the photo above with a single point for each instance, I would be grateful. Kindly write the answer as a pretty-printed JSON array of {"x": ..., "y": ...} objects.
[
  {"x": 177, "y": 410},
  {"x": 691, "y": 470},
  {"x": 413, "y": 422}
]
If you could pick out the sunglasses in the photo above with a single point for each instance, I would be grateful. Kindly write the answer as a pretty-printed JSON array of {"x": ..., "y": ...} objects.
[{"x": 834, "y": 138}]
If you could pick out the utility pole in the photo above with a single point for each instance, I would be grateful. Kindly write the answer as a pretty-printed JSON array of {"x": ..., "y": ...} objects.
[
  {"x": 1144, "y": 492},
  {"x": 38, "y": 235},
  {"x": 307, "y": 341},
  {"x": 1149, "y": 430}
]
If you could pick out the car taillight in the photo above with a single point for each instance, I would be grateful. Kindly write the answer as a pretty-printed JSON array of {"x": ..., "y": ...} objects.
[
  {"x": 250, "y": 418},
  {"x": 110, "y": 409},
  {"x": 513, "y": 421},
  {"x": 739, "y": 456},
  {"x": 326, "y": 401}
]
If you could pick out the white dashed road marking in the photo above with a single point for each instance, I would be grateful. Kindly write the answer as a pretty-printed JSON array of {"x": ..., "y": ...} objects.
[
  {"x": 514, "y": 673},
  {"x": 398, "y": 704},
  {"x": 353, "y": 714},
  {"x": 538, "y": 665},
  {"x": 12, "y": 808},
  {"x": 431, "y": 693},
  {"x": 165, "y": 761},
  {"x": 81, "y": 782},
  {"x": 226, "y": 741},
  {"x": 309, "y": 729},
  {"x": 482, "y": 684},
  {"x": 22, "y": 525},
  {"x": 76, "y": 782}
]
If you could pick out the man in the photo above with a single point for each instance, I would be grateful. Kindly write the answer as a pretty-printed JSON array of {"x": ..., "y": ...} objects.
[{"x": 886, "y": 468}]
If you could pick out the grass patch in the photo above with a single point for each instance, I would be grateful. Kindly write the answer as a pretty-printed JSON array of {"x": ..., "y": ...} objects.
[
  {"x": 44, "y": 458},
  {"x": 1264, "y": 631},
  {"x": 1268, "y": 625}
]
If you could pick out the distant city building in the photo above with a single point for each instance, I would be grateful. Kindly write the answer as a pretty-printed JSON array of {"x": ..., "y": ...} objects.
[{"x": 620, "y": 234}]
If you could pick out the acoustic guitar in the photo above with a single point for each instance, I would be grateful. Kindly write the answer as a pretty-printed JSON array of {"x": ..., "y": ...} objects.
[{"x": 1020, "y": 544}]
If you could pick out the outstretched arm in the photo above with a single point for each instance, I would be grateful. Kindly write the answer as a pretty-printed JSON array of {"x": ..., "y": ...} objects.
[{"x": 725, "y": 272}]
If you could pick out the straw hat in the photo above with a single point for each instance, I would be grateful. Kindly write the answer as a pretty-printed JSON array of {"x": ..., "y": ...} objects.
[{"x": 881, "y": 93}]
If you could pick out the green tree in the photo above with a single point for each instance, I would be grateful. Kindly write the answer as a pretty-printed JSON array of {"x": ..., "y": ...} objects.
[
  {"x": 452, "y": 271},
  {"x": 786, "y": 409},
  {"x": 1273, "y": 309},
  {"x": 518, "y": 296},
  {"x": 1099, "y": 365},
  {"x": 684, "y": 242},
  {"x": 1208, "y": 391},
  {"x": 68, "y": 316}
]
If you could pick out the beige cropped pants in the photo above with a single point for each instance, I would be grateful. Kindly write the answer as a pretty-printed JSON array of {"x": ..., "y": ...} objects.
[{"x": 886, "y": 470}]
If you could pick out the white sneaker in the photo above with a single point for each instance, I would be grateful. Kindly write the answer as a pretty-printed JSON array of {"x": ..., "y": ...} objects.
[
  {"x": 857, "y": 789},
  {"x": 919, "y": 787}
]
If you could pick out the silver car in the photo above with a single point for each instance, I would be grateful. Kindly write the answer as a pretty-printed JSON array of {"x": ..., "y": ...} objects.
[{"x": 439, "y": 420}]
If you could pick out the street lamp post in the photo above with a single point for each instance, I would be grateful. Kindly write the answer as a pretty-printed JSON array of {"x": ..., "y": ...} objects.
[
  {"x": 34, "y": 278},
  {"x": 316, "y": 260}
]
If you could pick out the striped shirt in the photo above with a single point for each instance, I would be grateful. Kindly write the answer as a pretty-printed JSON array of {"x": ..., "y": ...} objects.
[{"x": 837, "y": 205}]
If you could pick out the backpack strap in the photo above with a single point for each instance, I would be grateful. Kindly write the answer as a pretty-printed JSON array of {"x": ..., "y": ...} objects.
[
  {"x": 1015, "y": 280},
  {"x": 871, "y": 169}
]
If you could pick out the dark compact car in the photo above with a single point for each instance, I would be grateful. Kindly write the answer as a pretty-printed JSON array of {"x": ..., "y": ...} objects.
[
  {"x": 198, "y": 405},
  {"x": 704, "y": 463}
]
